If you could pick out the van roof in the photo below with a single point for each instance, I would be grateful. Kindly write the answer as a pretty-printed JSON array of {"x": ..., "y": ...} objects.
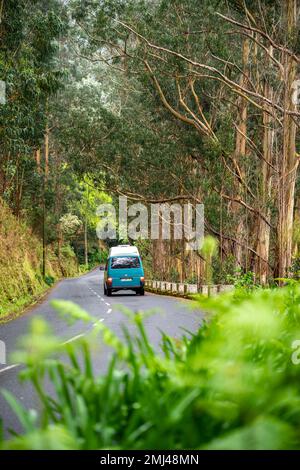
[{"x": 123, "y": 250}]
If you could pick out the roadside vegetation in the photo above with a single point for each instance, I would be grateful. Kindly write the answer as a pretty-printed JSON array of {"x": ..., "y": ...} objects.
[
  {"x": 21, "y": 279},
  {"x": 232, "y": 385},
  {"x": 213, "y": 85},
  {"x": 47, "y": 209},
  {"x": 166, "y": 101}
]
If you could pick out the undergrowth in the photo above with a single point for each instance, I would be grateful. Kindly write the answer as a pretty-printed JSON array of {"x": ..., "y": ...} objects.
[{"x": 232, "y": 385}]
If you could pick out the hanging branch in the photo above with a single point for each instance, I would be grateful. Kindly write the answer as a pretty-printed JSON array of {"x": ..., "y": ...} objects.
[
  {"x": 263, "y": 34},
  {"x": 237, "y": 88}
]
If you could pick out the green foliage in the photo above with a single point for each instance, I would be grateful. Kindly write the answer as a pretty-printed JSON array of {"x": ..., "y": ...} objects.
[
  {"x": 21, "y": 280},
  {"x": 243, "y": 280},
  {"x": 28, "y": 67},
  {"x": 230, "y": 386},
  {"x": 174, "y": 275},
  {"x": 208, "y": 251},
  {"x": 209, "y": 247},
  {"x": 96, "y": 256},
  {"x": 224, "y": 269},
  {"x": 295, "y": 268},
  {"x": 49, "y": 280},
  {"x": 69, "y": 224},
  {"x": 192, "y": 279}
]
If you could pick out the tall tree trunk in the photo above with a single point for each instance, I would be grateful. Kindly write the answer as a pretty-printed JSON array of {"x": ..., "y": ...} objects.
[
  {"x": 240, "y": 151},
  {"x": 44, "y": 209},
  {"x": 288, "y": 164},
  {"x": 263, "y": 231},
  {"x": 86, "y": 259},
  {"x": 37, "y": 153},
  {"x": 296, "y": 229}
]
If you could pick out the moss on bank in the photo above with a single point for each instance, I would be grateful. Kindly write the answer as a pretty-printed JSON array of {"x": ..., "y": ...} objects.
[{"x": 21, "y": 280}]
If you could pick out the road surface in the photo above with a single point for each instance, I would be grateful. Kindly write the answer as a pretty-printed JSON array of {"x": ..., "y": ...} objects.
[{"x": 171, "y": 315}]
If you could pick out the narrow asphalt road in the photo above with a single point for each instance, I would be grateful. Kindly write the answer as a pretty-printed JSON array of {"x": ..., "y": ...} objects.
[{"x": 171, "y": 315}]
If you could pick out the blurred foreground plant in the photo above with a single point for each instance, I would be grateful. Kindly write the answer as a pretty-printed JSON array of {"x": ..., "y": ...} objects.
[
  {"x": 209, "y": 250},
  {"x": 230, "y": 386}
]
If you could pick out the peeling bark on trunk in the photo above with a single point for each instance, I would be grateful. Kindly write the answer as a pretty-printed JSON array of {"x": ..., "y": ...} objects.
[
  {"x": 44, "y": 209},
  {"x": 263, "y": 232},
  {"x": 288, "y": 164},
  {"x": 38, "y": 159},
  {"x": 240, "y": 151}
]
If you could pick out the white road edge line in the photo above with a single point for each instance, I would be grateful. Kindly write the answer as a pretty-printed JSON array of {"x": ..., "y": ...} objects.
[
  {"x": 65, "y": 342},
  {"x": 69, "y": 340},
  {"x": 9, "y": 367}
]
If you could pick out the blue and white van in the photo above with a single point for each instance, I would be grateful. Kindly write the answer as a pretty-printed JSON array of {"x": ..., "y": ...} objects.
[{"x": 124, "y": 270}]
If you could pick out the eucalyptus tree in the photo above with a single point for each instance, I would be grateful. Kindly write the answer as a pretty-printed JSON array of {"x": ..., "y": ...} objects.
[
  {"x": 29, "y": 43},
  {"x": 226, "y": 70}
]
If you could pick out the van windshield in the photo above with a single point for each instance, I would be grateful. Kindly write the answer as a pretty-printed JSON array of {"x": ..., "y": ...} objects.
[{"x": 125, "y": 262}]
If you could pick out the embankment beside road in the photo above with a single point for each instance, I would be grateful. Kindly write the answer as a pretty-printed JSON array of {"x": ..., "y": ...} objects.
[{"x": 21, "y": 280}]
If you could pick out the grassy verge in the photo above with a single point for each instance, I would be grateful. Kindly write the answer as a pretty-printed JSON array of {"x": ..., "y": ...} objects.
[{"x": 17, "y": 307}]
